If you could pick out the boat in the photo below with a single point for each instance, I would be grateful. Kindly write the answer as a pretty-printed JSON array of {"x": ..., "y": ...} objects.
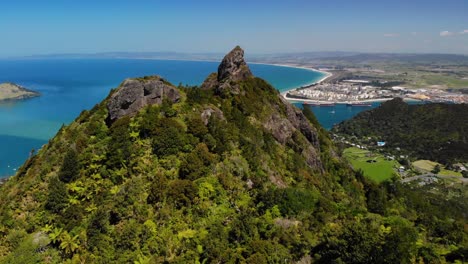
[
  {"x": 358, "y": 104},
  {"x": 327, "y": 104},
  {"x": 318, "y": 104}
]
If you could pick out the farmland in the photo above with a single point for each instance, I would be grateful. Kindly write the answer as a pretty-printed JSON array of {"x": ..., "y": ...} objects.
[{"x": 374, "y": 166}]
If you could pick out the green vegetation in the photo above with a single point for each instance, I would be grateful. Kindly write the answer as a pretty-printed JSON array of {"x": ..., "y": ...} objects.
[
  {"x": 431, "y": 131},
  {"x": 410, "y": 70},
  {"x": 374, "y": 166},
  {"x": 257, "y": 181},
  {"x": 431, "y": 166}
]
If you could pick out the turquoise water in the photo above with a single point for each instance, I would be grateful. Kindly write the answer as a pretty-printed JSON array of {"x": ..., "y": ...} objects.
[
  {"x": 332, "y": 115},
  {"x": 69, "y": 86}
]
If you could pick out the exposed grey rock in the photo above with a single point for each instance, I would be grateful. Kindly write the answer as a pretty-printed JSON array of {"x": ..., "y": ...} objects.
[
  {"x": 210, "y": 82},
  {"x": 249, "y": 184},
  {"x": 300, "y": 122},
  {"x": 286, "y": 223},
  {"x": 283, "y": 129},
  {"x": 231, "y": 70},
  {"x": 208, "y": 112},
  {"x": 135, "y": 94},
  {"x": 233, "y": 67},
  {"x": 280, "y": 127},
  {"x": 312, "y": 156}
]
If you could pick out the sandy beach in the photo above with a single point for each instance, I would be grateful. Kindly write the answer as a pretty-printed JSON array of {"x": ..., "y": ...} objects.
[
  {"x": 377, "y": 100},
  {"x": 327, "y": 74}
]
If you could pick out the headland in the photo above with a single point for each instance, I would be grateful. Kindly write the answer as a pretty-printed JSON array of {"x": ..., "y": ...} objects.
[{"x": 11, "y": 91}]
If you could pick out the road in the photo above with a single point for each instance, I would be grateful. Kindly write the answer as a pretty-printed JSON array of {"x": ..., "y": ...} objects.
[{"x": 431, "y": 176}]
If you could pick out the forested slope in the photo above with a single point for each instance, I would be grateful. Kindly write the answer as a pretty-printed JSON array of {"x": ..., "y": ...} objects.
[{"x": 226, "y": 173}]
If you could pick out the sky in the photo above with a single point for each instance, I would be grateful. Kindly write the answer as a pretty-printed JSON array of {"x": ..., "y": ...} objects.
[{"x": 32, "y": 27}]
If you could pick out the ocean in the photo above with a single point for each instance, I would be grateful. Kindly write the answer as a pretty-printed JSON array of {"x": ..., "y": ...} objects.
[{"x": 69, "y": 86}]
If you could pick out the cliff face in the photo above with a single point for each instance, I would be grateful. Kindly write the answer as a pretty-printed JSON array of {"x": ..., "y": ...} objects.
[
  {"x": 176, "y": 174},
  {"x": 135, "y": 94},
  {"x": 232, "y": 69}
]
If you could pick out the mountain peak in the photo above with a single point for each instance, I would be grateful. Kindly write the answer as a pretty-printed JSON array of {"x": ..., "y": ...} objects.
[
  {"x": 231, "y": 70},
  {"x": 233, "y": 66}
]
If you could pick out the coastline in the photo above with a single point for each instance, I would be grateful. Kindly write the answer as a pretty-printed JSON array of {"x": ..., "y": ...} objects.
[
  {"x": 327, "y": 75},
  {"x": 376, "y": 100},
  {"x": 284, "y": 93}
]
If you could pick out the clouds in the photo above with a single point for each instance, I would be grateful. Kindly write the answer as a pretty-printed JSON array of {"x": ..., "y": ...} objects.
[
  {"x": 446, "y": 34},
  {"x": 449, "y": 33}
]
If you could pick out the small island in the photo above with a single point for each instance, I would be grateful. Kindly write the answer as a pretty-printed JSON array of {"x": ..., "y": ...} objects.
[{"x": 11, "y": 91}]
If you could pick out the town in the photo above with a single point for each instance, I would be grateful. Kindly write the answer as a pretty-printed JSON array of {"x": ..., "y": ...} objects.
[{"x": 361, "y": 91}]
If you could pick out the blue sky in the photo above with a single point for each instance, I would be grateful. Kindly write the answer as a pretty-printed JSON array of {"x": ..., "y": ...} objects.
[{"x": 259, "y": 26}]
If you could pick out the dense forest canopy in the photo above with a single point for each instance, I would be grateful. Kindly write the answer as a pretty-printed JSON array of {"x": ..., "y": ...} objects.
[
  {"x": 227, "y": 173},
  {"x": 431, "y": 131}
]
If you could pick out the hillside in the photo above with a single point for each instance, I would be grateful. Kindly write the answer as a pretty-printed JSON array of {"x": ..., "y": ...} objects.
[
  {"x": 227, "y": 172},
  {"x": 430, "y": 131},
  {"x": 11, "y": 91}
]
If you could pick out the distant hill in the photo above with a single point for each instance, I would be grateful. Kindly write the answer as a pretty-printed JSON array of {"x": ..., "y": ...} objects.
[
  {"x": 430, "y": 131},
  {"x": 317, "y": 57},
  {"x": 402, "y": 58},
  {"x": 132, "y": 55},
  {"x": 11, "y": 91}
]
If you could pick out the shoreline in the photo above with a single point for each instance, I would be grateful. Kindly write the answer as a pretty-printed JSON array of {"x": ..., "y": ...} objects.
[
  {"x": 327, "y": 75},
  {"x": 376, "y": 100},
  {"x": 283, "y": 93}
]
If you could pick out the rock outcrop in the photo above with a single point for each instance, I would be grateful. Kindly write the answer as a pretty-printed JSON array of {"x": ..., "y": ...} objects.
[
  {"x": 232, "y": 69},
  {"x": 135, "y": 94},
  {"x": 208, "y": 112},
  {"x": 283, "y": 129}
]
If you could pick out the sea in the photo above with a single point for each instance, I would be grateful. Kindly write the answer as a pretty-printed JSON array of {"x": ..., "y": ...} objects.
[{"x": 69, "y": 86}]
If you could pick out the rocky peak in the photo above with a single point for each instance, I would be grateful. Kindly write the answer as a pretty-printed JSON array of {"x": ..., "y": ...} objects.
[
  {"x": 233, "y": 66},
  {"x": 134, "y": 94},
  {"x": 232, "y": 69}
]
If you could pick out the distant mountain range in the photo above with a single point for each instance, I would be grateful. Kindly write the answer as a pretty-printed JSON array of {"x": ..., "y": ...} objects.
[{"x": 277, "y": 58}]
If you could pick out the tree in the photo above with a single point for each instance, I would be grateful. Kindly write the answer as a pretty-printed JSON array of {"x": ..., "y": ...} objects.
[
  {"x": 120, "y": 146},
  {"x": 98, "y": 226},
  {"x": 197, "y": 163},
  {"x": 181, "y": 192},
  {"x": 69, "y": 243},
  {"x": 464, "y": 174},
  {"x": 436, "y": 169},
  {"x": 168, "y": 138},
  {"x": 70, "y": 167},
  {"x": 196, "y": 127},
  {"x": 57, "y": 195}
]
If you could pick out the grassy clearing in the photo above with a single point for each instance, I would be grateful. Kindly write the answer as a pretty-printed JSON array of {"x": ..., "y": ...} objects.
[
  {"x": 378, "y": 171},
  {"x": 428, "y": 166},
  {"x": 424, "y": 165}
]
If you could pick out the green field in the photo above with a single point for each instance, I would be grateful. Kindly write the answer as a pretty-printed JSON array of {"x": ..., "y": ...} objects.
[
  {"x": 428, "y": 166},
  {"x": 378, "y": 171}
]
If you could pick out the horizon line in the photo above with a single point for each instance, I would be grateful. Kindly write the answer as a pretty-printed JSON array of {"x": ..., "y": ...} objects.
[{"x": 110, "y": 53}]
